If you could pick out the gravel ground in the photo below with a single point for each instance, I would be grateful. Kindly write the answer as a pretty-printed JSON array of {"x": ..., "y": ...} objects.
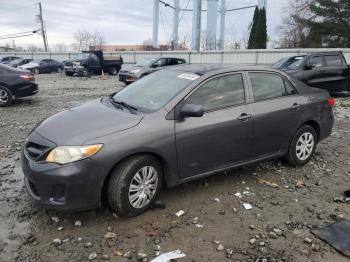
[{"x": 215, "y": 226}]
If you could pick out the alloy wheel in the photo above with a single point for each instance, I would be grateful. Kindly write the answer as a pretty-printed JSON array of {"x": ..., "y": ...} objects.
[
  {"x": 305, "y": 146},
  {"x": 143, "y": 187},
  {"x": 4, "y": 97}
]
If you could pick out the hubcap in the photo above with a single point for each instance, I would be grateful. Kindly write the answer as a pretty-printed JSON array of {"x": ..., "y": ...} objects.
[
  {"x": 304, "y": 146},
  {"x": 143, "y": 187},
  {"x": 3, "y": 97}
]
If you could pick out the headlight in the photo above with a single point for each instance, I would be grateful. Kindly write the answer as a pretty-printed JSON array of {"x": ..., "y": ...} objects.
[
  {"x": 135, "y": 71},
  {"x": 68, "y": 154}
]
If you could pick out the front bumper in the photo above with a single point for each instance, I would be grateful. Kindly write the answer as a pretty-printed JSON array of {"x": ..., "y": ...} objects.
[
  {"x": 74, "y": 186},
  {"x": 127, "y": 78}
]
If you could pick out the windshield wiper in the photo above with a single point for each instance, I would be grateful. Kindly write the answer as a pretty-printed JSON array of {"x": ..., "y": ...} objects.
[{"x": 131, "y": 108}]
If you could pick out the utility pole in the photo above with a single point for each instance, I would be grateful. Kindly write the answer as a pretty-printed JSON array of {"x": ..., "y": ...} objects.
[
  {"x": 222, "y": 25},
  {"x": 196, "y": 24},
  {"x": 43, "y": 30},
  {"x": 155, "y": 23},
  {"x": 176, "y": 24}
]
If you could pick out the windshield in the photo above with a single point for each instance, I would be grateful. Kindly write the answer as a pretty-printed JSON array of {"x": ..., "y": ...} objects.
[
  {"x": 154, "y": 91},
  {"x": 279, "y": 63},
  {"x": 295, "y": 62},
  {"x": 145, "y": 63},
  {"x": 15, "y": 61},
  {"x": 81, "y": 56}
]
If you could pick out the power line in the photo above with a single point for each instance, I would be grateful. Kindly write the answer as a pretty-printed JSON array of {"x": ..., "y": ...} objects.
[{"x": 10, "y": 37}]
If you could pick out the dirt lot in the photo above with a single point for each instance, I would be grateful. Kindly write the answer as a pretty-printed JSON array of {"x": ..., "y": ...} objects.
[{"x": 215, "y": 226}]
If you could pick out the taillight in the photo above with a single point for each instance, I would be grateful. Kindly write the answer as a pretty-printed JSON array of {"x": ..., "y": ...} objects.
[
  {"x": 331, "y": 101},
  {"x": 27, "y": 77}
]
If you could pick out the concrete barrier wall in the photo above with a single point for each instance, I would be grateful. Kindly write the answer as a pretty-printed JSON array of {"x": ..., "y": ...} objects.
[{"x": 238, "y": 56}]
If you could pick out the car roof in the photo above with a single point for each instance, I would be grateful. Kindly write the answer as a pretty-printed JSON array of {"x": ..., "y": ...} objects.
[{"x": 201, "y": 69}]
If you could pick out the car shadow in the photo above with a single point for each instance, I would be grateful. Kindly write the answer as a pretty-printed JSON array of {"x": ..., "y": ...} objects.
[{"x": 23, "y": 101}]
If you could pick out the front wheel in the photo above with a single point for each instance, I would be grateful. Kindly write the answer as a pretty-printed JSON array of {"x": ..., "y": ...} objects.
[
  {"x": 134, "y": 185},
  {"x": 36, "y": 71},
  {"x": 302, "y": 146},
  {"x": 85, "y": 72}
]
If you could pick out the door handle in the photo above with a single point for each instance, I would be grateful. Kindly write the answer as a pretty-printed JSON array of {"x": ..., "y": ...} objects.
[
  {"x": 295, "y": 106},
  {"x": 244, "y": 117}
]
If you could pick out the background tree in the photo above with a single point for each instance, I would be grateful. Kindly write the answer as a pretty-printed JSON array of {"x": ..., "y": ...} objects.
[
  {"x": 258, "y": 33},
  {"x": 85, "y": 40},
  {"x": 316, "y": 23},
  {"x": 252, "y": 36},
  {"x": 332, "y": 22}
]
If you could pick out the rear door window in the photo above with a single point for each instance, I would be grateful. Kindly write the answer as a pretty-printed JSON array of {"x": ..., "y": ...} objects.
[
  {"x": 333, "y": 60},
  {"x": 316, "y": 61},
  {"x": 267, "y": 86},
  {"x": 220, "y": 92}
]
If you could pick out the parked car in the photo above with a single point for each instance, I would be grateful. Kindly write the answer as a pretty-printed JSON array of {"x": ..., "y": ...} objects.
[
  {"x": 8, "y": 59},
  {"x": 146, "y": 67},
  {"x": 43, "y": 66},
  {"x": 92, "y": 62},
  {"x": 15, "y": 84},
  {"x": 326, "y": 70},
  {"x": 287, "y": 61},
  {"x": 170, "y": 127},
  {"x": 19, "y": 62}
]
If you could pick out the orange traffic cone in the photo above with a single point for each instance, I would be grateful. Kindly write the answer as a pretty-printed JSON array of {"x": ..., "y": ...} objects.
[{"x": 103, "y": 76}]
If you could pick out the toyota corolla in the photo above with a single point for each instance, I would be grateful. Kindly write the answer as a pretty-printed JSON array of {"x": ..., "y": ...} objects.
[{"x": 168, "y": 128}]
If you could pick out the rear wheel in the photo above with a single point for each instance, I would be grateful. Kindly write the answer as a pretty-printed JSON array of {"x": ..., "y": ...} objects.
[
  {"x": 113, "y": 71},
  {"x": 59, "y": 70},
  {"x": 5, "y": 96},
  {"x": 134, "y": 185},
  {"x": 302, "y": 146}
]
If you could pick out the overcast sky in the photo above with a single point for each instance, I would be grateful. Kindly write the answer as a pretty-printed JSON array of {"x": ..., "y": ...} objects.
[{"x": 120, "y": 21}]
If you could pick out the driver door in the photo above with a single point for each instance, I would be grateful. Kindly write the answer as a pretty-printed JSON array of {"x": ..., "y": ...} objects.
[
  {"x": 223, "y": 135},
  {"x": 315, "y": 76}
]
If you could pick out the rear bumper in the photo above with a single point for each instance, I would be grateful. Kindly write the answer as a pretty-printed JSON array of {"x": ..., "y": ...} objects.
[
  {"x": 70, "y": 187},
  {"x": 27, "y": 90}
]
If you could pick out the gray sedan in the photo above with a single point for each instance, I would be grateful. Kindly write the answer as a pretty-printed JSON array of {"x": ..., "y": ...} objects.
[
  {"x": 146, "y": 67},
  {"x": 168, "y": 128}
]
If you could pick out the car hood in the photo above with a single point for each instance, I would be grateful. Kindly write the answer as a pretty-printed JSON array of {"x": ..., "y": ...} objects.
[
  {"x": 29, "y": 65},
  {"x": 80, "y": 124},
  {"x": 127, "y": 70},
  {"x": 290, "y": 71}
]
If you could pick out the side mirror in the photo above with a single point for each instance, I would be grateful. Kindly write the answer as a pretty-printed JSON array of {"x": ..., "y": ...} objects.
[
  {"x": 308, "y": 66},
  {"x": 191, "y": 110}
]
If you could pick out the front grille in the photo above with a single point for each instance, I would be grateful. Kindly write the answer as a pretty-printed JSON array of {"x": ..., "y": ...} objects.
[
  {"x": 35, "y": 151},
  {"x": 33, "y": 188},
  {"x": 122, "y": 77}
]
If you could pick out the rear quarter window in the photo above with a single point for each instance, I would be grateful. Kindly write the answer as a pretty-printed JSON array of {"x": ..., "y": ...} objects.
[
  {"x": 333, "y": 60},
  {"x": 268, "y": 86}
]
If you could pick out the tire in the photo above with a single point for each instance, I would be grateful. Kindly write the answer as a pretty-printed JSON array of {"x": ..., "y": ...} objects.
[
  {"x": 5, "y": 96},
  {"x": 36, "y": 71},
  {"x": 295, "y": 156},
  {"x": 113, "y": 71},
  {"x": 85, "y": 72},
  {"x": 69, "y": 73},
  {"x": 59, "y": 70},
  {"x": 120, "y": 198}
]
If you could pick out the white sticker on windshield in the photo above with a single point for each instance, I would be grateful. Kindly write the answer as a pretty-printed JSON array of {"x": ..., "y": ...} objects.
[{"x": 188, "y": 76}]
